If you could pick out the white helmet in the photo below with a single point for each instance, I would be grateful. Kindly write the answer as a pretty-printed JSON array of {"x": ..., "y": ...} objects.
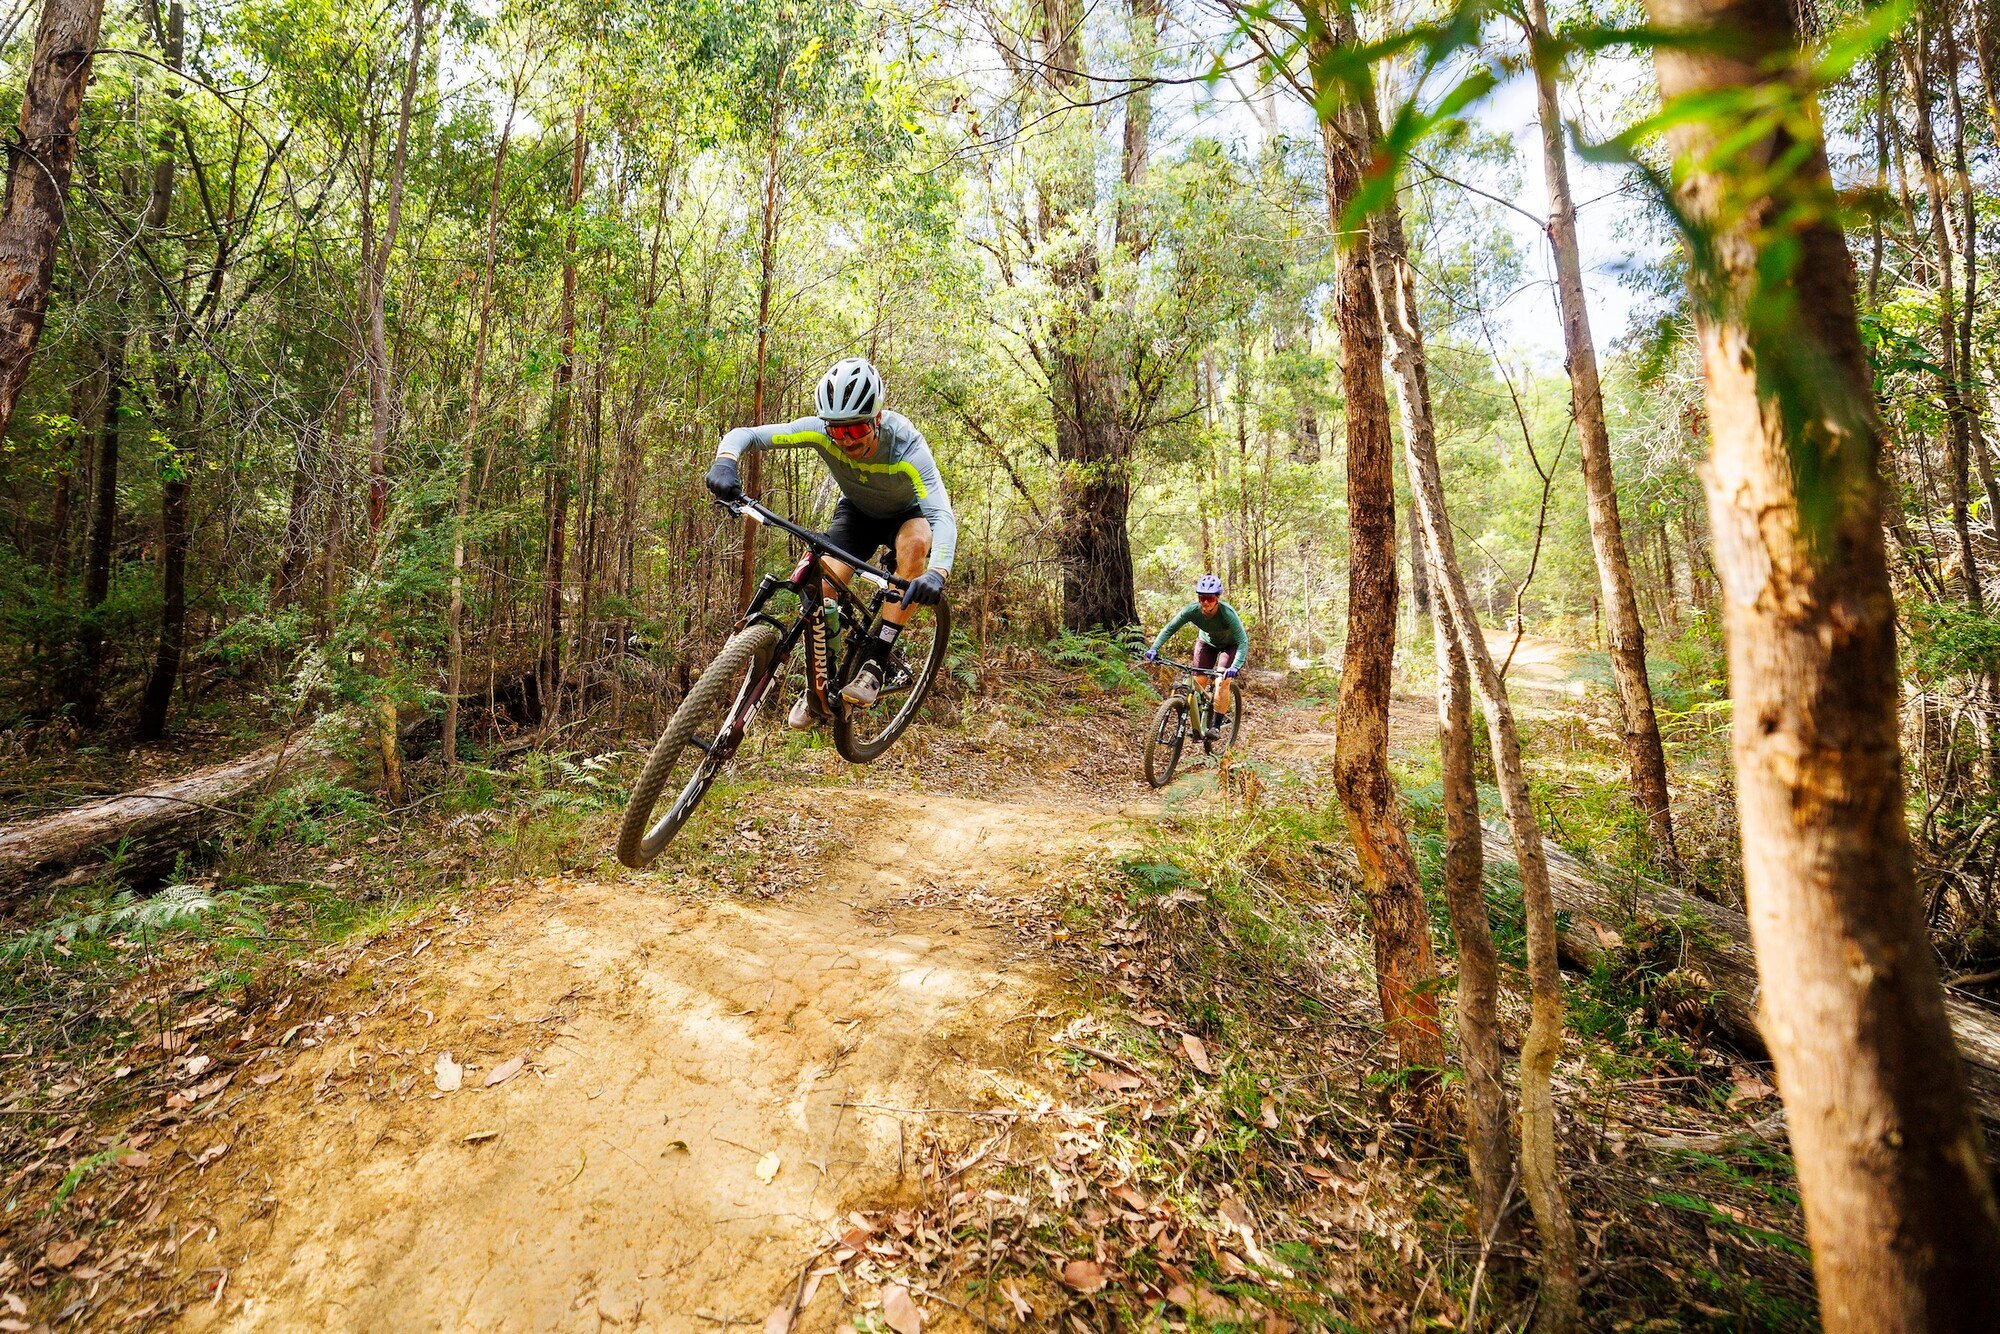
[{"x": 851, "y": 391}]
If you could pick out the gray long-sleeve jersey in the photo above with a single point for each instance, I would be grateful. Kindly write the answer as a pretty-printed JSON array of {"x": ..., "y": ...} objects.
[{"x": 901, "y": 473}]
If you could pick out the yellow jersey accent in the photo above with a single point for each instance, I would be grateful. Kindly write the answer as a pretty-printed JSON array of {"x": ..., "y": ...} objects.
[{"x": 838, "y": 459}]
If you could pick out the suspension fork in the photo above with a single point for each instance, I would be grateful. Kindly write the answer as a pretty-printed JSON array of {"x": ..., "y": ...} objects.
[
  {"x": 762, "y": 687},
  {"x": 807, "y": 571},
  {"x": 1197, "y": 711},
  {"x": 819, "y": 638}
]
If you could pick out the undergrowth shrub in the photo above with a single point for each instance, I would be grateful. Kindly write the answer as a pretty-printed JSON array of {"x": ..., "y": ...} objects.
[
  {"x": 312, "y": 812},
  {"x": 124, "y": 915},
  {"x": 1111, "y": 661},
  {"x": 1245, "y": 900}
]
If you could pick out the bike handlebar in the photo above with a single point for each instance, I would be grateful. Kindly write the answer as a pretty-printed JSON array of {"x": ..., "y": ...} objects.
[
  {"x": 756, "y": 513},
  {"x": 1190, "y": 667}
]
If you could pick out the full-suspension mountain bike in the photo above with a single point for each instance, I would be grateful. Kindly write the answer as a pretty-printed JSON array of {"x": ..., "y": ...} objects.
[
  {"x": 1188, "y": 708},
  {"x": 832, "y": 623}
]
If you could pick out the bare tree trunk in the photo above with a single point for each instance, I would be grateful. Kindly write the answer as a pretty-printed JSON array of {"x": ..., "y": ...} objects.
[
  {"x": 1916, "y": 69},
  {"x": 1968, "y": 233},
  {"x": 1420, "y": 574},
  {"x": 103, "y": 514},
  {"x": 176, "y": 461},
  {"x": 1093, "y": 446},
  {"x": 462, "y": 508},
  {"x": 1986, "y": 39},
  {"x": 767, "y": 260},
  {"x": 159, "y": 692},
  {"x": 1898, "y": 1206},
  {"x": 38, "y": 171},
  {"x": 1405, "y": 972},
  {"x": 1489, "y": 1139},
  {"x": 555, "y": 554},
  {"x": 1644, "y": 755},
  {"x": 379, "y": 407},
  {"x": 63, "y": 501},
  {"x": 1540, "y": 1174},
  {"x": 1489, "y": 1111},
  {"x": 1138, "y": 122}
]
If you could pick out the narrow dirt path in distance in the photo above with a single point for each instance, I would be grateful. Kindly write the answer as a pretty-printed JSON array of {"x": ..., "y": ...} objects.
[
  {"x": 697, "y": 1091},
  {"x": 1542, "y": 681}
]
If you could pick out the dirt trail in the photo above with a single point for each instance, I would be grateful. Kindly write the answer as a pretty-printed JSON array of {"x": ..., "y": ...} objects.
[
  {"x": 672, "y": 1044},
  {"x": 701, "y": 1083},
  {"x": 1542, "y": 681}
]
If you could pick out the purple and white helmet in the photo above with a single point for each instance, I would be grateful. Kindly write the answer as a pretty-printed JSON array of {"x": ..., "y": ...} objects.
[{"x": 1208, "y": 583}]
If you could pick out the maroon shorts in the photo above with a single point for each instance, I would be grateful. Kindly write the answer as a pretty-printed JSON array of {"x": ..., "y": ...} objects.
[{"x": 1210, "y": 658}]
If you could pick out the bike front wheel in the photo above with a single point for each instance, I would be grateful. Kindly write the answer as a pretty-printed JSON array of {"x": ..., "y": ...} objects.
[
  {"x": 1163, "y": 746},
  {"x": 861, "y": 734},
  {"x": 692, "y": 751}
]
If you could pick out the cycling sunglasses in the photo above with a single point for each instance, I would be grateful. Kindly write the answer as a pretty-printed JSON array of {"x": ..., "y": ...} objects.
[{"x": 848, "y": 433}]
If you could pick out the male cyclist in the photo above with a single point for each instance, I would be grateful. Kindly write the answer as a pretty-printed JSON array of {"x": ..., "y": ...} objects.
[
  {"x": 1220, "y": 642},
  {"x": 890, "y": 495}
]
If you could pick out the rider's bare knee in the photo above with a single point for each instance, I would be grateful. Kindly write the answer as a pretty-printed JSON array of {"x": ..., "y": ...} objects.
[{"x": 913, "y": 549}]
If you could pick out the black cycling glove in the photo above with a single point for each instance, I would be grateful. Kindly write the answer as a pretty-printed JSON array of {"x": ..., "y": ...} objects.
[
  {"x": 927, "y": 589},
  {"x": 723, "y": 482}
]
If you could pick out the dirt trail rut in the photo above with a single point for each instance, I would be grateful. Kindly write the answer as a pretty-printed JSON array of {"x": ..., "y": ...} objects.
[{"x": 702, "y": 1092}]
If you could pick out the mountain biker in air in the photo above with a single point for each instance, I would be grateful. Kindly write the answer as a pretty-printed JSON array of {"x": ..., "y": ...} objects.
[
  {"x": 1220, "y": 642},
  {"x": 891, "y": 495}
]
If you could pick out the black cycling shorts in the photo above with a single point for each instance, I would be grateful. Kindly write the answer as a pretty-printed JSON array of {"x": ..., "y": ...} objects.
[
  {"x": 1213, "y": 657},
  {"x": 854, "y": 529}
]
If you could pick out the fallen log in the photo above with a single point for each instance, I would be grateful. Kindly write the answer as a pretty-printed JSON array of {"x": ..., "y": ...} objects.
[
  {"x": 1597, "y": 906},
  {"x": 152, "y": 823}
]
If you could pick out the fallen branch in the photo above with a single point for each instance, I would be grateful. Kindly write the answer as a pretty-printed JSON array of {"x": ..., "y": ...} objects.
[
  {"x": 1596, "y": 905},
  {"x": 1771, "y": 1130},
  {"x": 152, "y": 823}
]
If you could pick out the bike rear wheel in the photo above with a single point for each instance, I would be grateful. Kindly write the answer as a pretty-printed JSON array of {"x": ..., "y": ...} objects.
[
  {"x": 688, "y": 756},
  {"x": 1163, "y": 746},
  {"x": 862, "y": 734}
]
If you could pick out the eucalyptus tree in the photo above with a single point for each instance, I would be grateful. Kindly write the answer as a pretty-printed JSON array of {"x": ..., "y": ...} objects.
[
  {"x": 38, "y": 172},
  {"x": 1111, "y": 271},
  {"x": 809, "y": 103},
  {"x": 1645, "y": 756},
  {"x": 1899, "y": 1207},
  {"x": 1404, "y": 966}
]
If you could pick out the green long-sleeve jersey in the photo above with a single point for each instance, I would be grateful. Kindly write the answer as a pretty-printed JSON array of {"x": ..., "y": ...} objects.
[{"x": 1224, "y": 629}]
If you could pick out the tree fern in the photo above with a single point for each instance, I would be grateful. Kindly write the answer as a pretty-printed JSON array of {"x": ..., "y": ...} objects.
[{"x": 171, "y": 908}]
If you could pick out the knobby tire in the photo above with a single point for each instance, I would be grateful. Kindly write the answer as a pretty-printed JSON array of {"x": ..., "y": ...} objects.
[
  {"x": 1163, "y": 745},
  {"x": 741, "y": 661},
  {"x": 859, "y": 750}
]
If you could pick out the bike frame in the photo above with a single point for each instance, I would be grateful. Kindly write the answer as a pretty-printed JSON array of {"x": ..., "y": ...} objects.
[
  {"x": 1203, "y": 708},
  {"x": 808, "y": 583}
]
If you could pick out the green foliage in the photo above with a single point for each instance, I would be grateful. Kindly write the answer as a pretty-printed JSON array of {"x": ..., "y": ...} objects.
[
  {"x": 1647, "y": 991},
  {"x": 44, "y": 630},
  {"x": 1715, "y": 1217},
  {"x": 77, "y": 1173},
  {"x": 1110, "y": 661},
  {"x": 1255, "y": 877},
  {"x": 124, "y": 915},
  {"x": 1952, "y": 641},
  {"x": 313, "y": 812}
]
